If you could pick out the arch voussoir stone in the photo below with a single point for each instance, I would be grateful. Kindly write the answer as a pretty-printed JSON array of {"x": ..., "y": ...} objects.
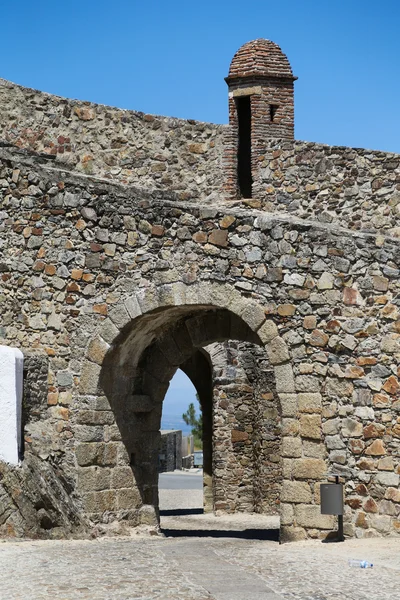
[
  {"x": 97, "y": 350},
  {"x": 277, "y": 351},
  {"x": 268, "y": 331}
]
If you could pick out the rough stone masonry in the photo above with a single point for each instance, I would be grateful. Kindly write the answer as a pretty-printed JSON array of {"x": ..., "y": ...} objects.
[{"x": 265, "y": 268}]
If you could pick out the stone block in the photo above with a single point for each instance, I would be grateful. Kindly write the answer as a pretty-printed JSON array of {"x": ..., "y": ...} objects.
[
  {"x": 112, "y": 433},
  {"x": 373, "y": 430},
  {"x": 97, "y": 350},
  {"x": 370, "y": 506},
  {"x": 318, "y": 338},
  {"x": 338, "y": 388},
  {"x": 313, "y": 449},
  {"x": 132, "y": 306},
  {"x": 147, "y": 299},
  {"x": 253, "y": 315},
  {"x": 334, "y": 442},
  {"x": 286, "y": 310},
  {"x": 387, "y": 479},
  {"x": 99, "y": 502},
  {"x": 381, "y": 523},
  {"x": 351, "y": 428},
  {"x": 331, "y": 426},
  {"x": 91, "y": 479},
  {"x": 287, "y": 465},
  {"x": 88, "y": 433},
  {"x": 286, "y": 514},
  {"x": 120, "y": 316},
  {"x": 325, "y": 282},
  {"x": 95, "y": 417},
  {"x": 310, "y": 426},
  {"x": 387, "y": 508},
  {"x": 288, "y": 404},
  {"x": 393, "y": 494},
  {"x": 268, "y": 331},
  {"x": 296, "y": 492},
  {"x": 128, "y": 499},
  {"x": 284, "y": 380},
  {"x": 87, "y": 453},
  {"x": 310, "y": 402},
  {"x": 309, "y": 468},
  {"x": 290, "y": 427},
  {"x": 102, "y": 403},
  {"x": 291, "y": 447},
  {"x": 89, "y": 379},
  {"x": 64, "y": 379},
  {"x": 239, "y": 436},
  {"x": 122, "y": 477},
  {"x": 310, "y": 322},
  {"x": 123, "y": 457},
  {"x": 309, "y": 516},
  {"x": 307, "y": 383},
  {"x": 96, "y": 453},
  {"x": 109, "y": 331},
  {"x": 168, "y": 346},
  {"x": 377, "y": 448},
  {"x": 277, "y": 351}
]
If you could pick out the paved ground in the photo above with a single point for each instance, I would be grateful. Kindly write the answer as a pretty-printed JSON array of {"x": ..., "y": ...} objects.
[
  {"x": 197, "y": 569},
  {"x": 213, "y": 561}
]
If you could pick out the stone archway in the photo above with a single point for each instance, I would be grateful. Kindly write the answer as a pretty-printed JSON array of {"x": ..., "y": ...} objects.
[{"x": 135, "y": 354}]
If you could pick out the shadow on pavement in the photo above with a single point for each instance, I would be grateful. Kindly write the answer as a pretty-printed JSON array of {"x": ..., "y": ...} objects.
[
  {"x": 245, "y": 534},
  {"x": 179, "y": 512}
]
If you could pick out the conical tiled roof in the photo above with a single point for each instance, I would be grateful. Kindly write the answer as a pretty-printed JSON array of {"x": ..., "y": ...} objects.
[{"x": 260, "y": 58}]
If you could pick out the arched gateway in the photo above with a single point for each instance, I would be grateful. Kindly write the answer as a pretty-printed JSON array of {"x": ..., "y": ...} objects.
[{"x": 149, "y": 335}]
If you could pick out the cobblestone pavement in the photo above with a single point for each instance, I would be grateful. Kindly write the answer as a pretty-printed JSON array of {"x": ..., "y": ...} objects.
[{"x": 144, "y": 568}]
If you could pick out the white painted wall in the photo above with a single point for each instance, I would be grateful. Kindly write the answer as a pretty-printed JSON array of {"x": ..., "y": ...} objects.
[{"x": 11, "y": 385}]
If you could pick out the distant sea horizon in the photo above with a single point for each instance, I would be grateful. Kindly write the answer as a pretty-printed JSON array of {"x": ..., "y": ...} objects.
[{"x": 175, "y": 422}]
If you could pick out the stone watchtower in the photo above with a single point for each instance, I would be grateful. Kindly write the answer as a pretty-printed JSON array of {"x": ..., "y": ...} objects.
[{"x": 261, "y": 107}]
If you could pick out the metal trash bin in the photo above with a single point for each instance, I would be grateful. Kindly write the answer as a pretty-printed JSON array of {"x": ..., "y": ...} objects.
[
  {"x": 332, "y": 499},
  {"x": 332, "y": 502}
]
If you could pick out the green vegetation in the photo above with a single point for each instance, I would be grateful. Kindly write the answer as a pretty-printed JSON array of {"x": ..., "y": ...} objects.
[{"x": 196, "y": 423}]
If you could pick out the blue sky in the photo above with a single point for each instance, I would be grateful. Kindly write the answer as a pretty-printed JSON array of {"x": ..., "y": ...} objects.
[
  {"x": 171, "y": 58},
  {"x": 180, "y": 393}
]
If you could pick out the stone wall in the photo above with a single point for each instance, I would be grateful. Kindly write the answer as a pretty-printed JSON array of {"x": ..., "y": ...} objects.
[
  {"x": 183, "y": 157},
  {"x": 188, "y": 160},
  {"x": 347, "y": 187},
  {"x": 120, "y": 261},
  {"x": 170, "y": 454},
  {"x": 75, "y": 250},
  {"x": 247, "y": 459}
]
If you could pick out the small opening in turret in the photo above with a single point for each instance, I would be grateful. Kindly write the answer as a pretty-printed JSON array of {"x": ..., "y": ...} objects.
[
  {"x": 245, "y": 180},
  {"x": 272, "y": 112}
]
